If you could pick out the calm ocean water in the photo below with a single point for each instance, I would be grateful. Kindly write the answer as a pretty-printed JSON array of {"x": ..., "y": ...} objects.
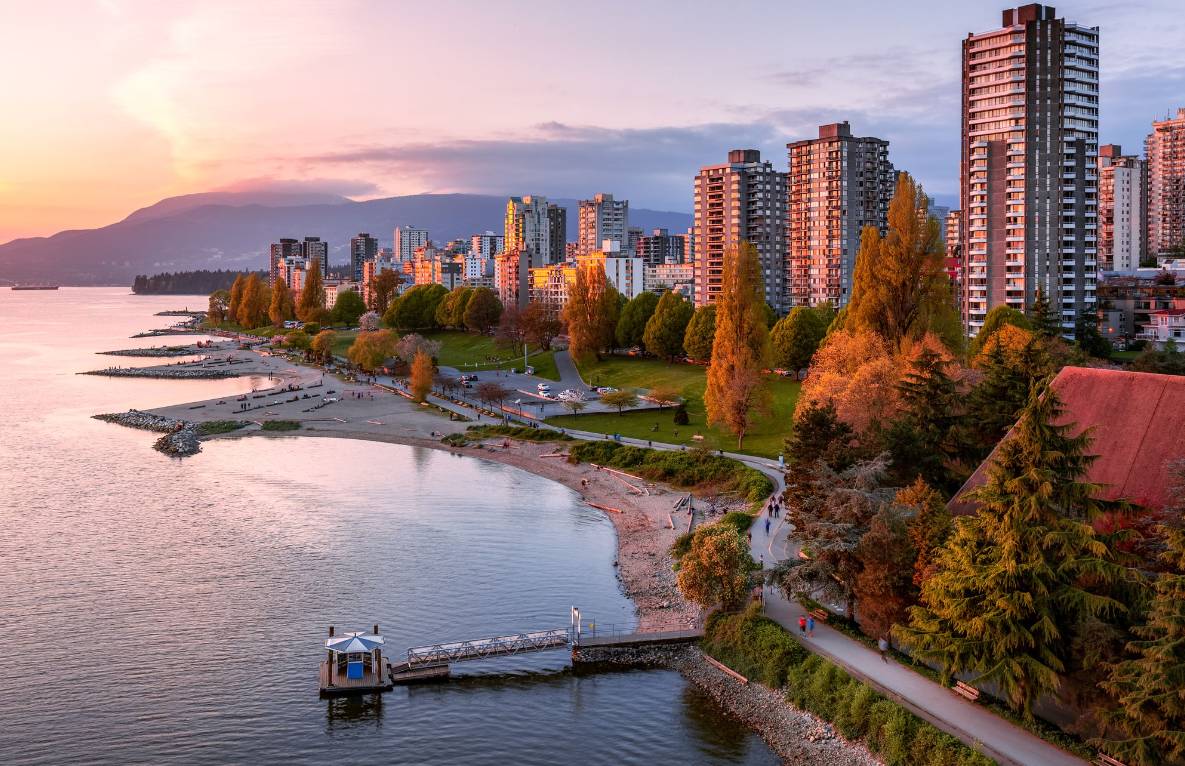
[{"x": 172, "y": 612}]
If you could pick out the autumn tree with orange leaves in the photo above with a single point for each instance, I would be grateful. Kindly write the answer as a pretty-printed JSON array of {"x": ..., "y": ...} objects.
[{"x": 737, "y": 392}]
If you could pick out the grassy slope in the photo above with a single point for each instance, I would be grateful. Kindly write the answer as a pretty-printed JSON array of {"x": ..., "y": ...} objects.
[
  {"x": 463, "y": 349},
  {"x": 689, "y": 380}
]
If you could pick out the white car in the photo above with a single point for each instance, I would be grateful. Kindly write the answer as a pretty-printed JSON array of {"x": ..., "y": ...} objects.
[
  {"x": 606, "y": 390},
  {"x": 571, "y": 396}
]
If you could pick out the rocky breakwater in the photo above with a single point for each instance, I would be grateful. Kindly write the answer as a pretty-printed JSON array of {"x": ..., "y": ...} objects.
[
  {"x": 155, "y": 351},
  {"x": 173, "y": 373},
  {"x": 795, "y": 735},
  {"x": 181, "y": 437}
]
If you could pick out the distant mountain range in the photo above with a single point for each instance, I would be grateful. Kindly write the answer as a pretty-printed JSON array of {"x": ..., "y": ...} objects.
[{"x": 232, "y": 230}]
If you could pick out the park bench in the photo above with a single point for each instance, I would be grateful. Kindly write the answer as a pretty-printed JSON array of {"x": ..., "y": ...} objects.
[
  {"x": 1102, "y": 759},
  {"x": 820, "y": 614},
  {"x": 966, "y": 690}
]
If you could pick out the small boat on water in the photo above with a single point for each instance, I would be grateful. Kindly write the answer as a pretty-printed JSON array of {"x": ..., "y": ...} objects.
[{"x": 35, "y": 287}]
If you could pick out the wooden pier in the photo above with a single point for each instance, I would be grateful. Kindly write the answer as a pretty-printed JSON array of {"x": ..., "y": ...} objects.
[{"x": 354, "y": 650}]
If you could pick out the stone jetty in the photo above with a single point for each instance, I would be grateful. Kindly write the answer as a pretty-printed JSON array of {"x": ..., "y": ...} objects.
[
  {"x": 173, "y": 373},
  {"x": 180, "y": 438},
  {"x": 156, "y": 351}
]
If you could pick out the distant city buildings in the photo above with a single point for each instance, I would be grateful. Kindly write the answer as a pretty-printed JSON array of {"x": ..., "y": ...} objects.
[
  {"x": 741, "y": 200},
  {"x": 838, "y": 184},
  {"x": 1028, "y": 169},
  {"x": 660, "y": 247},
  {"x": 952, "y": 229},
  {"x": 557, "y": 223},
  {"x": 363, "y": 248},
  {"x": 408, "y": 239},
  {"x": 528, "y": 229},
  {"x": 289, "y": 254},
  {"x": 487, "y": 245},
  {"x": 602, "y": 218},
  {"x": 1123, "y": 205},
  {"x": 1165, "y": 149}
]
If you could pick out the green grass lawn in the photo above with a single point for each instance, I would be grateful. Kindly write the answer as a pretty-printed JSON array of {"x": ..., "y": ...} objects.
[
  {"x": 626, "y": 373},
  {"x": 1124, "y": 356},
  {"x": 463, "y": 350}
]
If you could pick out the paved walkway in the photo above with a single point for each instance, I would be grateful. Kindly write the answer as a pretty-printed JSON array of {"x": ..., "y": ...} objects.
[{"x": 970, "y": 722}]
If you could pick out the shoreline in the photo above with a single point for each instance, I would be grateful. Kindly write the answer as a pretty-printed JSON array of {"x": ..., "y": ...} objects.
[
  {"x": 640, "y": 511},
  {"x": 794, "y": 735}
]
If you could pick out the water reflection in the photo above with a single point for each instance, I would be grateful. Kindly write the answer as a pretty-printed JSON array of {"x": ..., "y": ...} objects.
[{"x": 347, "y": 712}]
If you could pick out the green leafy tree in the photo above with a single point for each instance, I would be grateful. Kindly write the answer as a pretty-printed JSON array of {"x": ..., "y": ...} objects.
[
  {"x": 282, "y": 307},
  {"x": 483, "y": 310},
  {"x": 1042, "y": 317},
  {"x": 299, "y": 340},
  {"x": 416, "y": 308},
  {"x": 701, "y": 331},
  {"x": 716, "y": 568},
  {"x": 591, "y": 312},
  {"x": 322, "y": 345},
  {"x": 311, "y": 306},
  {"x": 995, "y": 319},
  {"x": 539, "y": 325},
  {"x": 634, "y": 316},
  {"x": 620, "y": 400},
  {"x": 667, "y": 327},
  {"x": 796, "y": 337},
  {"x": 900, "y": 289},
  {"x": 736, "y": 391},
  {"x": 370, "y": 349},
  {"x": 382, "y": 289},
  {"x": 1149, "y": 685},
  {"x": 1015, "y": 579},
  {"x": 420, "y": 378},
  {"x": 348, "y": 308},
  {"x": 218, "y": 309},
  {"x": 1166, "y": 361},
  {"x": 451, "y": 310}
]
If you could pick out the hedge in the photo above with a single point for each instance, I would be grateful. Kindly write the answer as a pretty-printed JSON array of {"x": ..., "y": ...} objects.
[
  {"x": 763, "y": 650},
  {"x": 691, "y": 469}
]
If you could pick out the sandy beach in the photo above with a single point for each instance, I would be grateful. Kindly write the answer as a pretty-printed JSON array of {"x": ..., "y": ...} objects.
[{"x": 361, "y": 411}]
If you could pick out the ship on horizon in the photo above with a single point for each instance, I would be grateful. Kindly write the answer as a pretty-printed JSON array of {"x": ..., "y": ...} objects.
[{"x": 35, "y": 287}]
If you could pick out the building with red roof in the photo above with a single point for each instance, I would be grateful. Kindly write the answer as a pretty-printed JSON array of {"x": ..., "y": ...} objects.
[{"x": 1138, "y": 430}]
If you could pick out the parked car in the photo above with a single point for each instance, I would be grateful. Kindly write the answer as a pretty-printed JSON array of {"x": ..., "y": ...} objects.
[
  {"x": 568, "y": 395},
  {"x": 544, "y": 389},
  {"x": 529, "y": 370},
  {"x": 606, "y": 390}
]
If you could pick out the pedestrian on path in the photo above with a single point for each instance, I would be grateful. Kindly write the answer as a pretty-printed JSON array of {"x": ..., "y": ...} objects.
[
  {"x": 883, "y": 645},
  {"x": 802, "y": 624},
  {"x": 810, "y": 625},
  {"x": 767, "y": 527}
]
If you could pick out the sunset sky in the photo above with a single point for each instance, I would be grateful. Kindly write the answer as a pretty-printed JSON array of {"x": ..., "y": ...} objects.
[{"x": 113, "y": 104}]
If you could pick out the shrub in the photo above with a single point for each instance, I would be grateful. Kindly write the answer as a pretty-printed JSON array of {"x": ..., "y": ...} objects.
[
  {"x": 754, "y": 645},
  {"x": 280, "y": 425},
  {"x": 738, "y": 520},
  {"x": 691, "y": 469},
  {"x": 455, "y": 440},
  {"x": 211, "y": 427},
  {"x": 522, "y": 433},
  {"x": 680, "y": 547}
]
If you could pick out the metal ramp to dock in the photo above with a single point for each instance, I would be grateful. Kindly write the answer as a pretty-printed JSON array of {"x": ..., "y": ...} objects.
[
  {"x": 431, "y": 662},
  {"x": 481, "y": 648}
]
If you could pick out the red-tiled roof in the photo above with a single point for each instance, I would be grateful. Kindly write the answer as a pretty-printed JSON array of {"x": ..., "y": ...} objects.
[
  {"x": 1139, "y": 427},
  {"x": 1167, "y": 312}
]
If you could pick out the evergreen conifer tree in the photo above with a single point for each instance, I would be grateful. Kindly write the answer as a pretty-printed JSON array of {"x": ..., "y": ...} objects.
[
  {"x": 1016, "y": 578},
  {"x": 920, "y": 439},
  {"x": 1042, "y": 317},
  {"x": 1150, "y": 686}
]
